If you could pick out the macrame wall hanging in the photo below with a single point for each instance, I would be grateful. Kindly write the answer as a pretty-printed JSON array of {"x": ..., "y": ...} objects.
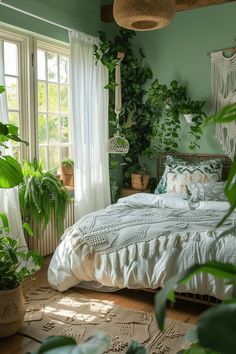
[
  {"x": 224, "y": 93},
  {"x": 118, "y": 144}
]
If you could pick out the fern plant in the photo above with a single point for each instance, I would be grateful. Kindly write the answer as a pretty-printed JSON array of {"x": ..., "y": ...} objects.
[{"x": 41, "y": 194}]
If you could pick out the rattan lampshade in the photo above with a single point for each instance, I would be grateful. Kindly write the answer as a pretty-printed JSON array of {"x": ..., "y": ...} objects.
[{"x": 143, "y": 15}]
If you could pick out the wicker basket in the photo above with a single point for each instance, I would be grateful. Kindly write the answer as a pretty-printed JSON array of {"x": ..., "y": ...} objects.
[
  {"x": 12, "y": 311},
  {"x": 139, "y": 181}
]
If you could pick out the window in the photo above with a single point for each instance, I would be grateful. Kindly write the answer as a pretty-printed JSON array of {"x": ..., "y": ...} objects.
[
  {"x": 44, "y": 118},
  {"x": 54, "y": 133}
]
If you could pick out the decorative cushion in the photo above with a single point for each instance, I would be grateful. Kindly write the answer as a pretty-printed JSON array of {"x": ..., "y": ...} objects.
[
  {"x": 204, "y": 171},
  {"x": 210, "y": 191},
  {"x": 170, "y": 162},
  {"x": 181, "y": 176}
]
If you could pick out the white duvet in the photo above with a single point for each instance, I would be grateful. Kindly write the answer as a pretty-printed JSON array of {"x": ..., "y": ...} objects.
[{"x": 141, "y": 242}]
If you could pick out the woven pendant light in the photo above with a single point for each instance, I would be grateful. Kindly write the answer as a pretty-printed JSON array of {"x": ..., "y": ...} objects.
[
  {"x": 143, "y": 15},
  {"x": 118, "y": 144}
]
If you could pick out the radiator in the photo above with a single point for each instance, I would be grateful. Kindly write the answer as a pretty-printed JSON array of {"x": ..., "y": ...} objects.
[{"x": 47, "y": 241}]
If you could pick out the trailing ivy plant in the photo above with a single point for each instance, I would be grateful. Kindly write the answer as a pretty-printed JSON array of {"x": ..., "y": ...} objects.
[
  {"x": 150, "y": 118},
  {"x": 136, "y": 122}
]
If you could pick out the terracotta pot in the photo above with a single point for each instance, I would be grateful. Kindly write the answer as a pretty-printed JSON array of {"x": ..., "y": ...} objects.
[
  {"x": 67, "y": 175},
  {"x": 12, "y": 311},
  {"x": 139, "y": 181}
]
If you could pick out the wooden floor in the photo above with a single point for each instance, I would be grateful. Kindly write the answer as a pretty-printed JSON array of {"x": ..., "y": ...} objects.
[{"x": 139, "y": 300}]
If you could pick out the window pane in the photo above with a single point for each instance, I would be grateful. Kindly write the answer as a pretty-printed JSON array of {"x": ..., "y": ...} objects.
[
  {"x": 10, "y": 58},
  {"x": 41, "y": 69},
  {"x": 52, "y": 98},
  {"x": 53, "y": 136},
  {"x": 64, "y": 69},
  {"x": 12, "y": 92},
  {"x": 52, "y": 67},
  {"x": 54, "y": 159},
  {"x": 64, "y": 97},
  {"x": 14, "y": 118},
  {"x": 64, "y": 133},
  {"x": 65, "y": 153},
  {"x": 43, "y": 155},
  {"x": 42, "y": 129},
  {"x": 42, "y": 103}
]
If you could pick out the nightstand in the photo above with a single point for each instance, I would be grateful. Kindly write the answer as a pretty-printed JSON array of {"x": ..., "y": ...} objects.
[{"x": 125, "y": 192}]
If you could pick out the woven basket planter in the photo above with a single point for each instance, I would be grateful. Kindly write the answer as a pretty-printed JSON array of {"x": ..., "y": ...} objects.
[
  {"x": 12, "y": 311},
  {"x": 139, "y": 181}
]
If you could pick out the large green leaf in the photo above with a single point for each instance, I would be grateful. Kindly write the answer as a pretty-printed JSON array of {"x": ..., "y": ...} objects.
[
  {"x": 136, "y": 348},
  {"x": 217, "y": 328},
  {"x": 10, "y": 172},
  {"x": 54, "y": 342},
  {"x": 226, "y": 115},
  {"x": 3, "y": 129},
  {"x": 217, "y": 269},
  {"x": 96, "y": 344}
]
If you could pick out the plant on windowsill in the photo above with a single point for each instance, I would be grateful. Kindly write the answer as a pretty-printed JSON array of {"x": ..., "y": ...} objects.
[
  {"x": 42, "y": 196},
  {"x": 16, "y": 263},
  {"x": 140, "y": 177},
  {"x": 67, "y": 172}
]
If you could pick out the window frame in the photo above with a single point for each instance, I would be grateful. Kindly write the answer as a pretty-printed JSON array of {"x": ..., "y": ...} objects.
[
  {"x": 28, "y": 43},
  {"x": 64, "y": 50}
]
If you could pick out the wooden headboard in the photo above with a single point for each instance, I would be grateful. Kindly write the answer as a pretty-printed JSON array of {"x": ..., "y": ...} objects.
[{"x": 193, "y": 157}]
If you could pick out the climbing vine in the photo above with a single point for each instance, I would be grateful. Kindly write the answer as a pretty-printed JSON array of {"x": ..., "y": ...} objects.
[{"x": 150, "y": 118}]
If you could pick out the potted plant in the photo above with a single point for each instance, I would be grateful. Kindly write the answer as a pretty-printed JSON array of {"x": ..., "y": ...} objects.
[
  {"x": 15, "y": 264},
  {"x": 140, "y": 177},
  {"x": 67, "y": 172},
  {"x": 192, "y": 111},
  {"x": 43, "y": 199}
]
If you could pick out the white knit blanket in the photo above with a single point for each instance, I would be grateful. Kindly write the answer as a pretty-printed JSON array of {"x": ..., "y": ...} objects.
[{"x": 136, "y": 244}]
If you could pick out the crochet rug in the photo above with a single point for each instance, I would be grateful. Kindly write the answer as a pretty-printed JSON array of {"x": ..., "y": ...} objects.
[{"x": 70, "y": 314}]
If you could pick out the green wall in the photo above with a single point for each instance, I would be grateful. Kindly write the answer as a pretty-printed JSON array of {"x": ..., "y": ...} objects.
[
  {"x": 77, "y": 14},
  {"x": 179, "y": 50}
]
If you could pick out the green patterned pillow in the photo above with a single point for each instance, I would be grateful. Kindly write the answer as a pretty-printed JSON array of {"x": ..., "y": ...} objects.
[
  {"x": 179, "y": 173},
  {"x": 211, "y": 191},
  {"x": 170, "y": 162},
  {"x": 181, "y": 176}
]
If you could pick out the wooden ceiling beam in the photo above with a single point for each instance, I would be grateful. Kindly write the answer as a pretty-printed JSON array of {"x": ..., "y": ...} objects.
[{"x": 181, "y": 5}]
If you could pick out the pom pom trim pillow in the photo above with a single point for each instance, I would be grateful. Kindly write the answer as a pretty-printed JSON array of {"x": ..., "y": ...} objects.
[
  {"x": 179, "y": 174},
  {"x": 170, "y": 162},
  {"x": 207, "y": 192}
]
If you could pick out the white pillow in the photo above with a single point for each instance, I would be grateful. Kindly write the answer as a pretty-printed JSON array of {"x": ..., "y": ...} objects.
[
  {"x": 166, "y": 200},
  {"x": 213, "y": 205}
]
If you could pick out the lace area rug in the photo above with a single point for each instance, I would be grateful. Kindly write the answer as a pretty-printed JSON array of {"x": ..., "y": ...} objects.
[{"x": 71, "y": 314}]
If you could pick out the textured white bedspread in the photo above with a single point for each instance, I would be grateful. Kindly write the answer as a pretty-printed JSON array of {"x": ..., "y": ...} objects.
[{"x": 141, "y": 242}]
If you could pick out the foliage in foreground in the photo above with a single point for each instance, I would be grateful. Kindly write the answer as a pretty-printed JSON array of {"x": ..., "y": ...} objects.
[
  {"x": 11, "y": 174},
  {"x": 15, "y": 262}
]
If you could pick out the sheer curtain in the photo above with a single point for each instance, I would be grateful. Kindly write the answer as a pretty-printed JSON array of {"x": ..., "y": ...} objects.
[
  {"x": 9, "y": 198},
  {"x": 90, "y": 126}
]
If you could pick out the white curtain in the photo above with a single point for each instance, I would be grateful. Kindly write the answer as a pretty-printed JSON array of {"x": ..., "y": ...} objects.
[
  {"x": 9, "y": 198},
  {"x": 90, "y": 126}
]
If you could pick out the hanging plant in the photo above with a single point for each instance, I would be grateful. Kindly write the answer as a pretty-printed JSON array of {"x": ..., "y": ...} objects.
[{"x": 136, "y": 122}]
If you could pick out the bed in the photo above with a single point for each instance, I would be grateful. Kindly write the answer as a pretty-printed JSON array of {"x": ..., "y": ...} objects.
[{"x": 144, "y": 239}]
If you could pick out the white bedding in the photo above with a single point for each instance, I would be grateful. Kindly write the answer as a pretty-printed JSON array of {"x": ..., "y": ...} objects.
[{"x": 141, "y": 242}]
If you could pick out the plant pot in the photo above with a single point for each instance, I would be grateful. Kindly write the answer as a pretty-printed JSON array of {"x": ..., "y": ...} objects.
[
  {"x": 67, "y": 175},
  {"x": 189, "y": 117},
  {"x": 139, "y": 181},
  {"x": 12, "y": 311}
]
